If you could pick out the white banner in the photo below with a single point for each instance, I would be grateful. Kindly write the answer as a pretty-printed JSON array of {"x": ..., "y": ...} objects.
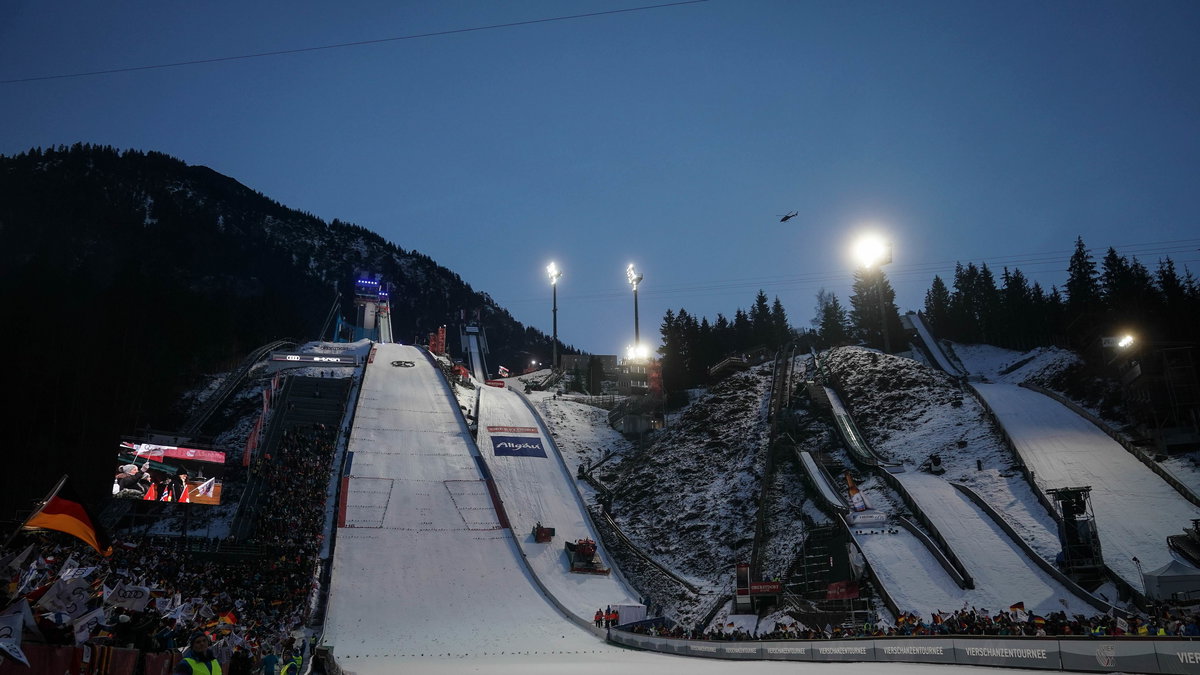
[
  {"x": 10, "y": 637},
  {"x": 133, "y": 598},
  {"x": 68, "y": 596},
  {"x": 87, "y": 624}
]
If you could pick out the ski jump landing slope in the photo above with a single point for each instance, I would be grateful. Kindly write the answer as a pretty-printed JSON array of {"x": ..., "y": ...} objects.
[
  {"x": 536, "y": 486},
  {"x": 1063, "y": 449},
  {"x": 932, "y": 345},
  {"x": 423, "y": 578},
  {"x": 916, "y": 581},
  {"x": 1002, "y": 572}
]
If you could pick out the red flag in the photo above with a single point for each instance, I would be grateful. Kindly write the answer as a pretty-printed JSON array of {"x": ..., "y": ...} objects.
[{"x": 63, "y": 511}]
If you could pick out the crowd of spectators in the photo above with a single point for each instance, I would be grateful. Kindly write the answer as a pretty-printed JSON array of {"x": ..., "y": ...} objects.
[
  {"x": 252, "y": 605},
  {"x": 966, "y": 622}
]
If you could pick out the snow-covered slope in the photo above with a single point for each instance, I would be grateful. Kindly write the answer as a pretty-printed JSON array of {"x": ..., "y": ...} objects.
[
  {"x": 537, "y": 488},
  {"x": 1063, "y": 449},
  {"x": 421, "y": 568}
]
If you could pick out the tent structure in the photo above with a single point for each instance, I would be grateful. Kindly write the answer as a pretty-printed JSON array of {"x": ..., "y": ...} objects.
[{"x": 1173, "y": 580}]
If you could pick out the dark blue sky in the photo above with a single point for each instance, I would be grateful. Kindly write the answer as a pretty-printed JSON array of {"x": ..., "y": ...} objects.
[{"x": 670, "y": 138}]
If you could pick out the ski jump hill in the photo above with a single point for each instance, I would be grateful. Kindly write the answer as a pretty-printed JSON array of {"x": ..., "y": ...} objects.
[
  {"x": 424, "y": 572},
  {"x": 1063, "y": 449},
  {"x": 435, "y": 568}
]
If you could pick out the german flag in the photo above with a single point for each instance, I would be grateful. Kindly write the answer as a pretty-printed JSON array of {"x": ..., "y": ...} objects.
[{"x": 63, "y": 511}]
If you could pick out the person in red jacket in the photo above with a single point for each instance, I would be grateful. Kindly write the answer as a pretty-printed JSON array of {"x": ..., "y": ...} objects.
[{"x": 599, "y": 618}]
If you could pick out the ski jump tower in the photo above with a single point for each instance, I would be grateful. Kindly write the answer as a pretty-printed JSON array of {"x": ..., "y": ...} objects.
[
  {"x": 1077, "y": 533},
  {"x": 372, "y": 317}
]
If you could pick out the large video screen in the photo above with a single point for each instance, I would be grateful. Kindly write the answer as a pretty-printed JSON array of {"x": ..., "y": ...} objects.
[{"x": 166, "y": 473}]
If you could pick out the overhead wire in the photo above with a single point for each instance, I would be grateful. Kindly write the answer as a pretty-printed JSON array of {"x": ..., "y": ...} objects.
[{"x": 344, "y": 45}]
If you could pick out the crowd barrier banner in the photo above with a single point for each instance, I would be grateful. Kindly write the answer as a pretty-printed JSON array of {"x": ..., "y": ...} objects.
[
  {"x": 1038, "y": 654},
  {"x": 789, "y": 651},
  {"x": 85, "y": 660},
  {"x": 931, "y": 650},
  {"x": 1109, "y": 656},
  {"x": 1081, "y": 654},
  {"x": 1178, "y": 657},
  {"x": 835, "y": 650}
]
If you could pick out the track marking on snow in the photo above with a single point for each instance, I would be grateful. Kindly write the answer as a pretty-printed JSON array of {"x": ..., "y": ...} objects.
[
  {"x": 474, "y": 504},
  {"x": 367, "y": 502}
]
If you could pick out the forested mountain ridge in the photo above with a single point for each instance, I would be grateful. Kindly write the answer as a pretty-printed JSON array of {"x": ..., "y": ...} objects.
[{"x": 127, "y": 275}]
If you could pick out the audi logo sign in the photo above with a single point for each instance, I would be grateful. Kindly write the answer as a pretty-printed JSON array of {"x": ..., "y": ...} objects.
[{"x": 328, "y": 359}]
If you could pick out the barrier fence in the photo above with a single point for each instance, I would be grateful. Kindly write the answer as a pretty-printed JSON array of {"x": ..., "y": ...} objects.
[
  {"x": 88, "y": 660},
  {"x": 1133, "y": 654}
]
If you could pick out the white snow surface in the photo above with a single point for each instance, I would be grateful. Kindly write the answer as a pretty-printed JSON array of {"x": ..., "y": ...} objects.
[
  {"x": 1135, "y": 509},
  {"x": 422, "y": 569},
  {"x": 423, "y": 582},
  {"x": 541, "y": 490}
]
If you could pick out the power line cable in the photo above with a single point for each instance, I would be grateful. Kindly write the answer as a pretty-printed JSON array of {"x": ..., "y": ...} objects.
[
  {"x": 1041, "y": 264},
  {"x": 342, "y": 45}
]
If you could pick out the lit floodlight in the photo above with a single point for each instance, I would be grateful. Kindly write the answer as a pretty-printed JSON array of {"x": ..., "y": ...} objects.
[
  {"x": 554, "y": 273},
  {"x": 638, "y": 352},
  {"x": 872, "y": 250},
  {"x": 1125, "y": 341},
  {"x": 634, "y": 276}
]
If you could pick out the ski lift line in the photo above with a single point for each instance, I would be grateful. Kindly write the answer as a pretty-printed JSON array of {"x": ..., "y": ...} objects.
[{"x": 344, "y": 45}]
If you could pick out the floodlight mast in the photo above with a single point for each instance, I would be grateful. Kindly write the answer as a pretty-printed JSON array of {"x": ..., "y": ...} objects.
[
  {"x": 555, "y": 274},
  {"x": 635, "y": 278}
]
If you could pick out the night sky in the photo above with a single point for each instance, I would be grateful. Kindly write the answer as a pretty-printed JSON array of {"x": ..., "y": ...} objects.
[{"x": 671, "y": 137}]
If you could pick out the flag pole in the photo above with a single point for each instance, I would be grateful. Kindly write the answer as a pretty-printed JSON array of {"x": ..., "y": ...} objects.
[{"x": 53, "y": 491}]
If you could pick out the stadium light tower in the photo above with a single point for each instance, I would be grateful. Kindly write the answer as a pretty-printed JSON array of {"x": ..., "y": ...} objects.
[
  {"x": 874, "y": 251},
  {"x": 555, "y": 274},
  {"x": 635, "y": 278}
]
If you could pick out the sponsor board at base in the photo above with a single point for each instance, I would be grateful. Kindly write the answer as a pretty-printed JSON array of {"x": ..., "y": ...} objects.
[
  {"x": 1009, "y": 653},
  {"x": 924, "y": 650},
  {"x": 1113, "y": 655},
  {"x": 517, "y": 446},
  {"x": 852, "y": 651},
  {"x": 1178, "y": 657},
  {"x": 511, "y": 430}
]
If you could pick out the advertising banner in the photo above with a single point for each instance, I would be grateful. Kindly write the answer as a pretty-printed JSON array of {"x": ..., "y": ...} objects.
[
  {"x": 766, "y": 587},
  {"x": 1039, "y": 654},
  {"x": 517, "y": 446},
  {"x": 787, "y": 651},
  {"x": 844, "y": 651},
  {"x": 1178, "y": 657},
  {"x": 924, "y": 650},
  {"x": 1108, "y": 656}
]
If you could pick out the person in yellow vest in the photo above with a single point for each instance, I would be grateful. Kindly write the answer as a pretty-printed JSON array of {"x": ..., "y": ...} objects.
[
  {"x": 292, "y": 665},
  {"x": 198, "y": 659}
]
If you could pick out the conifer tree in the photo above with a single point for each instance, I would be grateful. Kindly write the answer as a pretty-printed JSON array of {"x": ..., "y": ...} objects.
[
  {"x": 871, "y": 291},
  {"x": 760, "y": 317},
  {"x": 1083, "y": 288},
  {"x": 832, "y": 323},
  {"x": 780, "y": 329},
  {"x": 937, "y": 306}
]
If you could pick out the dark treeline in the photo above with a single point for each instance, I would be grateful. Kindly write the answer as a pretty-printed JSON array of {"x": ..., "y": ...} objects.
[
  {"x": 690, "y": 345},
  {"x": 1117, "y": 295}
]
